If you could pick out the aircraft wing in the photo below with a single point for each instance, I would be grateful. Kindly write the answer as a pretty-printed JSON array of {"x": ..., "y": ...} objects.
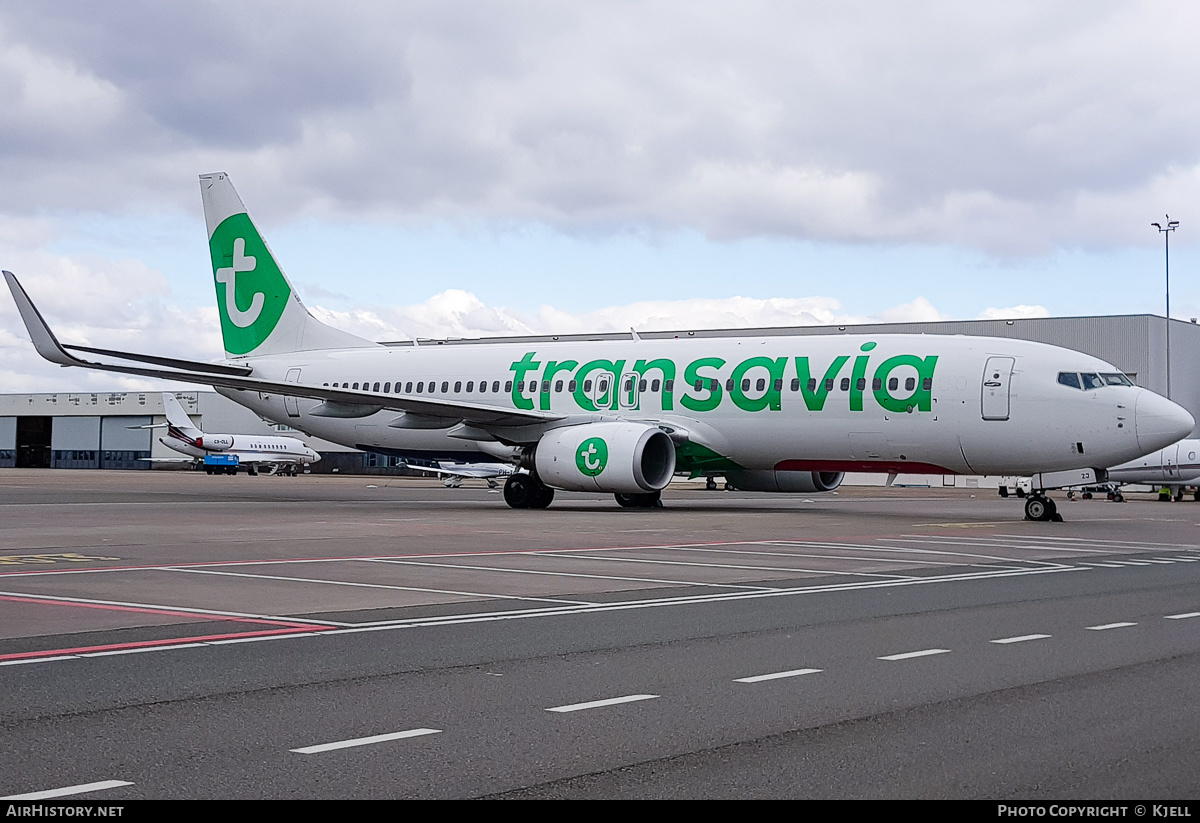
[{"x": 239, "y": 377}]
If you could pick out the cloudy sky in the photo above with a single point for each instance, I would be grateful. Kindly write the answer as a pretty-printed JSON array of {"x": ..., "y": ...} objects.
[{"x": 465, "y": 169}]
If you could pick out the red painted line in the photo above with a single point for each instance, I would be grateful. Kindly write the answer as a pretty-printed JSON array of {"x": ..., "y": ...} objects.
[
  {"x": 146, "y": 610},
  {"x": 146, "y": 644}
]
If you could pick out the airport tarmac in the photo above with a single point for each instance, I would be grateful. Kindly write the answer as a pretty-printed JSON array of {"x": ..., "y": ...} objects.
[{"x": 179, "y": 635}]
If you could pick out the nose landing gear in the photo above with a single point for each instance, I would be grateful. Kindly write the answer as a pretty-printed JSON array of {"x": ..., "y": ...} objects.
[{"x": 1040, "y": 507}]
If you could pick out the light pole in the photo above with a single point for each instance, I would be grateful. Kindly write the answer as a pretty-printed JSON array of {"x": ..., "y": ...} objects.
[{"x": 1166, "y": 233}]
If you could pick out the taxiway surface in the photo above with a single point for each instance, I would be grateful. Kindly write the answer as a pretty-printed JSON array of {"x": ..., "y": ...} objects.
[{"x": 178, "y": 635}]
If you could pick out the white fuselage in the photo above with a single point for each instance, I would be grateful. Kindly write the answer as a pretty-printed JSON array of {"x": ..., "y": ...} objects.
[
  {"x": 902, "y": 403},
  {"x": 247, "y": 448},
  {"x": 1178, "y": 463}
]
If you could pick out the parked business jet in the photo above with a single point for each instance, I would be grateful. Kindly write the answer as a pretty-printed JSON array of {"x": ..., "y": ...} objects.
[
  {"x": 775, "y": 414},
  {"x": 453, "y": 474},
  {"x": 226, "y": 453},
  {"x": 1174, "y": 467}
]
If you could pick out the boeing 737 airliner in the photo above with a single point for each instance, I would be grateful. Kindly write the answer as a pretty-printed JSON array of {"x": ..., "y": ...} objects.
[{"x": 787, "y": 413}]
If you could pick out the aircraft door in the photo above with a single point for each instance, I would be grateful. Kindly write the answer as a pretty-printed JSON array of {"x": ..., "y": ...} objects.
[
  {"x": 601, "y": 391},
  {"x": 629, "y": 390},
  {"x": 1170, "y": 463},
  {"x": 289, "y": 403},
  {"x": 997, "y": 379}
]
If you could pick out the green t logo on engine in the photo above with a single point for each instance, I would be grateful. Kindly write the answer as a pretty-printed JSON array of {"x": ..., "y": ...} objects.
[{"x": 592, "y": 456}]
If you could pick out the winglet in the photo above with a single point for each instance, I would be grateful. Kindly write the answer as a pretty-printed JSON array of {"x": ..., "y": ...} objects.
[{"x": 44, "y": 341}]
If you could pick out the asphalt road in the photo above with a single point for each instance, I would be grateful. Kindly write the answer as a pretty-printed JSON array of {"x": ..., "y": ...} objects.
[{"x": 185, "y": 636}]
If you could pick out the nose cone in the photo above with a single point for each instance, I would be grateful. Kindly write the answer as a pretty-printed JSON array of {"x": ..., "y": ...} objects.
[
  {"x": 315, "y": 457},
  {"x": 1158, "y": 422}
]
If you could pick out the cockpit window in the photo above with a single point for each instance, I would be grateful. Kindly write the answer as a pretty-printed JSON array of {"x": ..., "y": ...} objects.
[
  {"x": 1091, "y": 381},
  {"x": 1116, "y": 379},
  {"x": 1069, "y": 378}
]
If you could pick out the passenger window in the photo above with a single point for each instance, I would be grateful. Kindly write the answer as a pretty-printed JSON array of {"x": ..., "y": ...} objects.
[
  {"x": 507, "y": 385},
  {"x": 927, "y": 384},
  {"x": 356, "y": 385},
  {"x": 376, "y": 387},
  {"x": 642, "y": 384},
  {"x": 845, "y": 384},
  {"x": 408, "y": 387},
  {"x": 654, "y": 385},
  {"x": 603, "y": 387},
  {"x": 546, "y": 386},
  {"x": 558, "y": 385},
  {"x": 714, "y": 384},
  {"x": 828, "y": 384},
  {"x": 470, "y": 386},
  {"x": 860, "y": 383},
  {"x": 729, "y": 385},
  {"x": 778, "y": 385},
  {"x": 668, "y": 385},
  {"x": 387, "y": 388},
  {"x": 483, "y": 385},
  {"x": 521, "y": 386},
  {"x": 445, "y": 387},
  {"x": 745, "y": 384},
  {"x": 877, "y": 384},
  {"x": 795, "y": 384},
  {"x": 1068, "y": 378},
  {"x": 910, "y": 383},
  {"x": 893, "y": 384},
  {"x": 457, "y": 386},
  {"x": 571, "y": 386},
  {"x": 699, "y": 386},
  {"x": 760, "y": 385},
  {"x": 629, "y": 385}
]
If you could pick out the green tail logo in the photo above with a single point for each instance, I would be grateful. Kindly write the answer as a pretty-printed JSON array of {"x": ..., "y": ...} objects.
[{"x": 251, "y": 291}]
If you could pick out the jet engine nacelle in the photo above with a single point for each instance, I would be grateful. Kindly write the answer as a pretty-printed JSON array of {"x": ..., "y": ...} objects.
[
  {"x": 627, "y": 458},
  {"x": 773, "y": 481},
  {"x": 215, "y": 442}
]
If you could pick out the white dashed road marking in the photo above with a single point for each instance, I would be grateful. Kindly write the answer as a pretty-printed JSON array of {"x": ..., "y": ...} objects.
[
  {"x": 365, "y": 741},
  {"x": 1021, "y": 639},
  {"x": 907, "y": 655},
  {"x": 1110, "y": 626},
  {"x": 758, "y": 678},
  {"x": 595, "y": 704},
  {"x": 83, "y": 788}
]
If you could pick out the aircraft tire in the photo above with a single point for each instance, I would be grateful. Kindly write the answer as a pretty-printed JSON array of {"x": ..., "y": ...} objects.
[
  {"x": 543, "y": 497},
  {"x": 524, "y": 491},
  {"x": 1004, "y": 491},
  {"x": 649, "y": 500},
  {"x": 1040, "y": 508}
]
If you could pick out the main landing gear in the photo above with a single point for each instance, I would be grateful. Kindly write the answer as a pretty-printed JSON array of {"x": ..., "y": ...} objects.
[
  {"x": 527, "y": 491},
  {"x": 650, "y": 500},
  {"x": 1040, "y": 507}
]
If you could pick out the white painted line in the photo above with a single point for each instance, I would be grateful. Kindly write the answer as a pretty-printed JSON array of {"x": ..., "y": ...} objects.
[
  {"x": 758, "y": 678},
  {"x": 139, "y": 650},
  {"x": 907, "y": 655},
  {"x": 365, "y": 741},
  {"x": 38, "y": 659},
  {"x": 69, "y": 790},
  {"x": 1136, "y": 562},
  {"x": 1103, "y": 565},
  {"x": 595, "y": 704},
  {"x": 1187, "y": 559},
  {"x": 1110, "y": 626},
  {"x": 1021, "y": 639},
  {"x": 1182, "y": 616},
  {"x": 1158, "y": 560}
]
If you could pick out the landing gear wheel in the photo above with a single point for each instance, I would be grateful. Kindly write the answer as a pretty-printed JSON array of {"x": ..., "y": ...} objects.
[
  {"x": 1118, "y": 497},
  {"x": 543, "y": 497},
  {"x": 1004, "y": 491},
  {"x": 1041, "y": 508},
  {"x": 650, "y": 500},
  {"x": 1020, "y": 492},
  {"x": 524, "y": 491}
]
